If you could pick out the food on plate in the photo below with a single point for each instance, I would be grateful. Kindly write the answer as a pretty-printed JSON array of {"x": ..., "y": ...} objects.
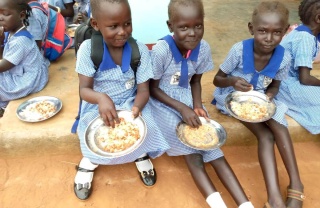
[
  {"x": 249, "y": 110},
  {"x": 124, "y": 135},
  {"x": 71, "y": 31},
  {"x": 205, "y": 136},
  {"x": 39, "y": 110}
]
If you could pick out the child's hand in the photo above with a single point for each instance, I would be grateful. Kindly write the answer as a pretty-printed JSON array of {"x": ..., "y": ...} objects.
[
  {"x": 190, "y": 117},
  {"x": 135, "y": 112},
  {"x": 201, "y": 112},
  {"x": 81, "y": 17},
  {"x": 241, "y": 84},
  {"x": 108, "y": 112}
]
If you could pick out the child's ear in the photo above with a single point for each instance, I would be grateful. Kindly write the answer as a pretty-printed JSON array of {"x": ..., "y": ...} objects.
[
  {"x": 317, "y": 18},
  {"x": 23, "y": 15},
  {"x": 169, "y": 26},
  {"x": 250, "y": 27},
  {"x": 94, "y": 24}
]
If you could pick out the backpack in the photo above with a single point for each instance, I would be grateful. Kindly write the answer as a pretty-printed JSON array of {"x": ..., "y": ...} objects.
[
  {"x": 57, "y": 41},
  {"x": 85, "y": 31}
]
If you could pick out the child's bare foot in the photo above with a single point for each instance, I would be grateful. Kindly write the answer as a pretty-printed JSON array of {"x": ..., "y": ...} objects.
[{"x": 295, "y": 197}]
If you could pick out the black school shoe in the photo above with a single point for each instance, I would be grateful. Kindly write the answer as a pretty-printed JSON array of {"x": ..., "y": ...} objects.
[
  {"x": 149, "y": 177},
  {"x": 83, "y": 191}
]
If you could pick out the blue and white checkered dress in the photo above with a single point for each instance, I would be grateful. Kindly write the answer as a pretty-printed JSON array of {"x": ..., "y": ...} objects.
[
  {"x": 30, "y": 73},
  {"x": 165, "y": 67},
  {"x": 233, "y": 66},
  {"x": 112, "y": 82},
  {"x": 38, "y": 24},
  {"x": 303, "y": 101}
]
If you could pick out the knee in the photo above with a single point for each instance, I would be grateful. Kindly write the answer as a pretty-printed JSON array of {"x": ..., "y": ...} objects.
[
  {"x": 266, "y": 138},
  {"x": 194, "y": 161}
]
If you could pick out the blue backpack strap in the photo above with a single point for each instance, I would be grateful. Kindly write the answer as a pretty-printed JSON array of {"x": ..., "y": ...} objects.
[{"x": 35, "y": 4}]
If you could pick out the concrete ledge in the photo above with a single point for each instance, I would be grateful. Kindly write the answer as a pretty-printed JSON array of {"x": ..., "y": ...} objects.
[{"x": 53, "y": 136}]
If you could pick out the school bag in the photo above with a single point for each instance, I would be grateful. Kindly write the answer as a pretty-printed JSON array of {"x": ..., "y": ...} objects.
[
  {"x": 57, "y": 41},
  {"x": 85, "y": 31}
]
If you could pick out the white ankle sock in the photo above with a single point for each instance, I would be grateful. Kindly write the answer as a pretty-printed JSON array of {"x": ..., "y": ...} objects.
[
  {"x": 215, "y": 201},
  {"x": 246, "y": 205},
  {"x": 87, "y": 164},
  {"x": 144, "y": 165},
  {"x": 85, "y": 177}
]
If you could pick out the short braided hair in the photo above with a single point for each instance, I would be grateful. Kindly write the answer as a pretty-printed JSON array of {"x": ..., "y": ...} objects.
[
  {"x": 307, "y": 9},
  {"x": 95, "y": 5},
  {"x": 175, "y": 3},
  {"x": 271, "y": 6}
]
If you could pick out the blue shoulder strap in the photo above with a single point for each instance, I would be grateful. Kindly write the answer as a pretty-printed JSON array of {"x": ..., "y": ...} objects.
[{"x": 35, "y": 4}]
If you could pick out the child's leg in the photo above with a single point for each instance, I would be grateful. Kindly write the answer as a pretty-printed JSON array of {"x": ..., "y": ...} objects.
[
  {"x": 267, "y": 161},
  {"x": 286, "y": 150},
  {"x": 202, "y": 180},
  {"x": 83, "y": 179},
  {"x": 229, "y": 180}
]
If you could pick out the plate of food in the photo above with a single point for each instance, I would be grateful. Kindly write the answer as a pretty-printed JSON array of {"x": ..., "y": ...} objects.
[
  {"x": 251, "y": 106},
  {"x": 39, "y": 108},
  {"x": 110, "y": 142},
  {"x": 208, "y": 136}
]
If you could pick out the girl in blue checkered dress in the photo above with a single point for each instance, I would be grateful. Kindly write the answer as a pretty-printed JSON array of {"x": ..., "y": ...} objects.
[
  {"x": 23, "y": 69},
  {"x": 300, "y": 90},
  {"x": 261, "y": 63},
  {"x": 178, "y": 64},
  {"x": 113, "y": 86}
]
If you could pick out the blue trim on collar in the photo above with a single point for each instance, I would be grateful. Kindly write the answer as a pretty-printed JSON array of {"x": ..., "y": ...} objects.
[
  {"x": 108, "y": 63},
  {"x": 184, "y": 78},
  {"x": 25, "y": 33},
  {"x": 248, "y": 61}
]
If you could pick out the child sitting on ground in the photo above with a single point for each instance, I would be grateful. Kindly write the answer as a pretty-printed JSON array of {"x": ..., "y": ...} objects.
[
  {"x": 261, "y": 63},
  {"x": 178, "y": 64},
  {"x": 114, "y": 86},
  {"x": 299, "y": 89},
  {"x": 23, "y": 69}
]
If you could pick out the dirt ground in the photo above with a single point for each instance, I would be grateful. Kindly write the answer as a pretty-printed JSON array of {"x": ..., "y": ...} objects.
[{"x": 47, "y": 181}]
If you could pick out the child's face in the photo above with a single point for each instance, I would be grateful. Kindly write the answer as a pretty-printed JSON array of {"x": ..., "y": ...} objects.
[
  {"x": 268, "y": 30},
  {"x": 10, "y": 18},
  {"x": 187, "y": 27},
  {"x": 114, "y": 22}
]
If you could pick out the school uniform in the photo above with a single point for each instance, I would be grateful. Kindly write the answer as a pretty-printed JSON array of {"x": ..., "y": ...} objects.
[
  {"x": 60, "y": 4},
  {"x": 240, "y": 63},
  {"x": 119, "y": 84},
  {"x": 30, "y": 73},
  {"x": 302, "y": 100},
  {"x": 169, "y": 67},
  {"x": 38, "y": 24}
]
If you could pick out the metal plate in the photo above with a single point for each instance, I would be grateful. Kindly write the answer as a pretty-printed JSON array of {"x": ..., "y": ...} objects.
[
  {"x": 22, "y": 107},
  {"x": 221, "y": 133},
  {"x": 93, "y": 129},
  {"x": 254, "y": 97}
]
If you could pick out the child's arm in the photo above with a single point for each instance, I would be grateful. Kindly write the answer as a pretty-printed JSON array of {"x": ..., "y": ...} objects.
[
  {"x": 107, "y": 109},
  {"x": 306, "y": 78},
  {"x": 273, "y": 89},
  {"x": 67, "y": 12},
  {"x": 222, "y": 80},
  {"x": 5, "y": 65},
  {"x": 188, "y": 115},
  {"x": 195, "y": 84},
  {"x": 141, "y": 99}
]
